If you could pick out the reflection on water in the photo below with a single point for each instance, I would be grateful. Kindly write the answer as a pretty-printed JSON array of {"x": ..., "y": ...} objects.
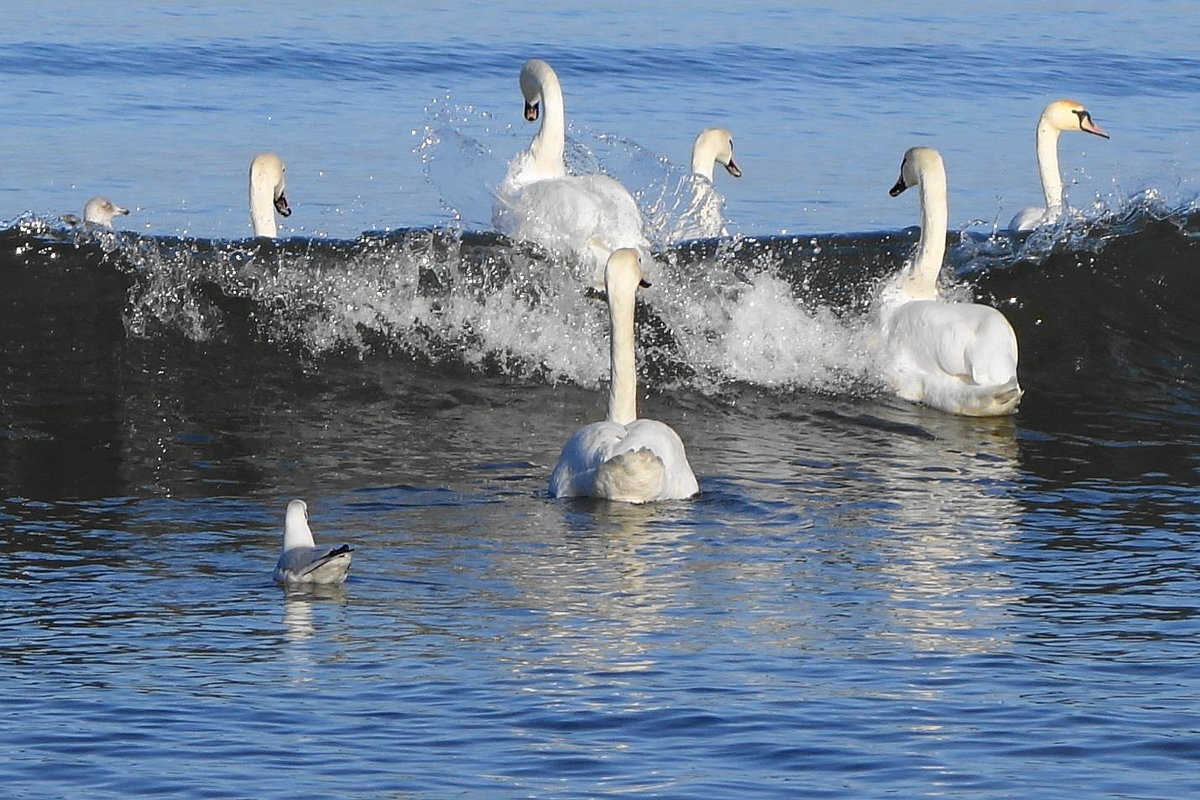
[
  {"x": 604, "y": 590},
  {"x": 297, "y": 617},
  {"x": 951, "y": 499}
]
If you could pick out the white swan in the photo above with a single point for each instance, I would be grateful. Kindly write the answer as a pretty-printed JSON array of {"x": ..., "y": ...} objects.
[
  {"x": 623, "y": 458},
  {"x": 100, "y": 211},
  {"x": 704, "y": 217},
  {"x": 300, "y": 562},
  {"x": 1059, "y": 116},
  {"x": 958, "y": 357},
  {"x": 267, "y": 187},
  {"x": 588, "y": 216}
]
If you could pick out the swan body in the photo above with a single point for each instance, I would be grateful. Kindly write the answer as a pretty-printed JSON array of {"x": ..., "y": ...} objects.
[
  {"x": 1059, "y": 116},
  {"x": 623, "y": 458},
  {"x": 267, "y": 193},
  {"x": 957, "y": 357},
  {"x": 301, "y": 562},
  {"x": 100, "y": 211},
  {"x": 588, "y": 216},
  {"x": 704, "y": 217}
]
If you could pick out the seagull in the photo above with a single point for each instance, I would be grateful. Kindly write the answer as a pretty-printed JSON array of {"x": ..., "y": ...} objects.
[{"x": 301, "y": 563}]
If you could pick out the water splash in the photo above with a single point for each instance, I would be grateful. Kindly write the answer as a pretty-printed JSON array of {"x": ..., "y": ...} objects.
[
  {"x": 732, "y": 315},
  {"x": 465, "y": 152},
  {"x": 784, "y": 313}
]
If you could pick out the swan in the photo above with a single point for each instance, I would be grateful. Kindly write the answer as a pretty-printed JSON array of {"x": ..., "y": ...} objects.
[
  {"x": 588, "y": 216},
  {"x": 958, "y": 357},
  {"x": 623, "y": 458},
  {"x": 1059, "y": 116},
  {"x": 300, "y": 562},
  {"x": 267, "y": 186},
  {"x": 704, "y": 217}
]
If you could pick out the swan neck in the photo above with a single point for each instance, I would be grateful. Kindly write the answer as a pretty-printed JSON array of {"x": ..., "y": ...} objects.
[
  {"x": 703, "y": 163},
  {"x": 1047, "y": 156},
  {"x": 262, "y": 208},
  {"x": 549, "y": 145},
  {"x": 622, "y": 388},
  {"x": 931, "y": 248}
]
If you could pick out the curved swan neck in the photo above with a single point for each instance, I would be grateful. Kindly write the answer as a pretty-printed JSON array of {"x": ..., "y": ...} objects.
[
  {"x": 267, "y": 193},
  {"x": 713, "y": 146},
  {"x": 1047, "y": 156},
  {"x": 703, "y": 161},
  {"x": 622, "y": 388},
  {"x": 922, "y": 274},
  {"x": 262, "y": 210},
  {"x": 549, "y": 145}
]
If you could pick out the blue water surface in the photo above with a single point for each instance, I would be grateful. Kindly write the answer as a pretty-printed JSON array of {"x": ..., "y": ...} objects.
[{"x": 868, "y": 599}]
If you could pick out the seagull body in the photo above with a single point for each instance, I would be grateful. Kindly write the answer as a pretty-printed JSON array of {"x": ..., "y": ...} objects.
[{"x": 301, "y": 562}]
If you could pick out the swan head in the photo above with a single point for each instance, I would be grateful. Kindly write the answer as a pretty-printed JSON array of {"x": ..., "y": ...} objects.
[
  {"x": 1070, "y": 115},
  {"x": 917, "y": 160},
  {"x": 101, "y": 210},
  {"x": 714, "y": 145},
  {"x": 623, "y": 273},
  {"x": 534, "y": 75},
  {"x": 296, "y": 532},
  {"x": 268, "y": 196},
  {"x": 268, "y": 170}
]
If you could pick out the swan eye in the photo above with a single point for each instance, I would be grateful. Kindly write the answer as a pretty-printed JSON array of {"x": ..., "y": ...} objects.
[{"x": 1084, "y": 117}]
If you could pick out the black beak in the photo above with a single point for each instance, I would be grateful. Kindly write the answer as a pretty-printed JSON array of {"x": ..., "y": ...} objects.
[
  {"x": 733, "y": 169},
  {"x": 281, "y": 205},
  {"x": 898, "y": 188},
  {"x": 531, "y": 112},
  {"x": 645, "y": 284}
]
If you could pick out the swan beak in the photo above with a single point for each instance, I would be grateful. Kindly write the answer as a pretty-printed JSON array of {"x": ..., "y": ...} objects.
[
  {"x": 898, "y": 188},
  {"x": 119, "y": 210},
  {"x": 645, "y": 284},
  {"x": 531, "y": 112},
  {"x": 1088, "y": 126},
  {"x": 733, "y": 169},
  {"x": 281, "y": 205}
]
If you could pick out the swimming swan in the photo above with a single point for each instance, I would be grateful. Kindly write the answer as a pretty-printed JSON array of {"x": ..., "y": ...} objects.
[
  {"x": 588, "y": 216},
  {"x": 1059, "y": 116},
  {"x": 704, "y": 218},
  {"x": 267, "y": 186},
  {"x": 301, "y": 562},
  {"x": 623, "y": 458},
  {"x": 958, "y": 357}
]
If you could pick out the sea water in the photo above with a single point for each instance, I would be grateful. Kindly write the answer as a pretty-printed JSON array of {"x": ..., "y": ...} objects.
[{"x": 867, "y": 599}]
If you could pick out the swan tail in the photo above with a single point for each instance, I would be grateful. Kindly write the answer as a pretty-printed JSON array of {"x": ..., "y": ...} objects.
[
  {"x": 995, "y": 400},
  {"x": 635, "y": 476},
  {"x": 1006, "y": 397}
]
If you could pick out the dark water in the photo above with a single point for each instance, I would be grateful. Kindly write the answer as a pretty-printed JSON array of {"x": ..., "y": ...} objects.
[{"x": 868, "y": 598}]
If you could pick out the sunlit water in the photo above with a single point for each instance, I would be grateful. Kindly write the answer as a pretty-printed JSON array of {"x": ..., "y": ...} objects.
[{"x": 868, "y": 599}]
